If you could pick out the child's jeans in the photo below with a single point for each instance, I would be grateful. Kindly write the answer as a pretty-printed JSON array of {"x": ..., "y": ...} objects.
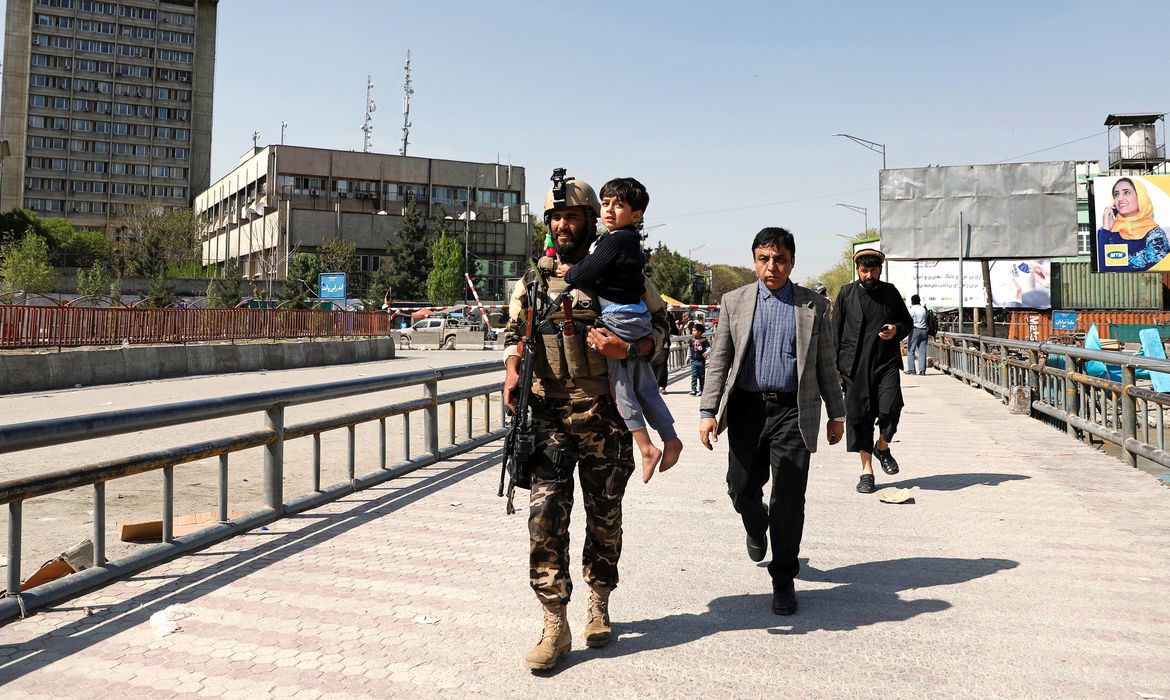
[{"x": 698, "y": 373}]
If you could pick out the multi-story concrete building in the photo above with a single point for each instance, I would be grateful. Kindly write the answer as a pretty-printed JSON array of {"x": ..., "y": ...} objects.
[
  {"x": 281, "y": 200},
  {"x": 106, "y": 104}
]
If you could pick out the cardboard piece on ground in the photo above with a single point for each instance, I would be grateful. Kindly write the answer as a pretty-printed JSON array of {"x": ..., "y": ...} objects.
[
  {"x": 74, "y": 559},
  {"x": 147, "y": 530},
  {"x": 892, "y": 495}
]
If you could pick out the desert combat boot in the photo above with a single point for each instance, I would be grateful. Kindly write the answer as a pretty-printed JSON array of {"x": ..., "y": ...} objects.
[
  {"x": 555, "y": 639},
  {"x": 598, "y": 632}
]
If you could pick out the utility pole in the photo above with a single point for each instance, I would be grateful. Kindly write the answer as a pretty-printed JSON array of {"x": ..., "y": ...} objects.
[
  {"x": 407, "y": 91},
  {"x": 368, "y": 124}
]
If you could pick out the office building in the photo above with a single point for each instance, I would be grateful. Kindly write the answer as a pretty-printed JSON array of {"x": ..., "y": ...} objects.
[
  {"x": 106, "y": 104},
  {"x": 281, "y": 200}
]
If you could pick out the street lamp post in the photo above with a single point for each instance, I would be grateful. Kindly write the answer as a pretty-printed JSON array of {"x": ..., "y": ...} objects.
[
  {"x": 871, "y": 145},
  {"x": 467, "y": 235},
  {"x": 860, "y": 210}
]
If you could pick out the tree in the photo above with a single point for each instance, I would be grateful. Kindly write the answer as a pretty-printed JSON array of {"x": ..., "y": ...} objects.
[
  {"x": 725, "y": 278},
  {"x": 539, "y": 233},
  {"x": 303, "y": 272},
  {"x": 224, "y": 292},
  {"x": 26, "y": 265},
  {"x": 177, "y": 230},
  {"x": 16, "y": 223},
  {"x": 338, "y": 255},
  {"x": 405, "y": 272},
  {"x": 159, "y": 294},
  {"x": 671, "y": 273},
  {"x": 445, "y": 281},
  {"x": 151, "y": 259},
  {"x": 97, "y": 281},
  {"x": 841, "y": 274},
  {"x": 84, "y": 248}
]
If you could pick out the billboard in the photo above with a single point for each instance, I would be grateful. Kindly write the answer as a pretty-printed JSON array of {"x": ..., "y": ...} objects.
[
  {"x": 1015, "y": 284},
  {"x": 1014, "y": 210},
  {"x": 1130, "y": 214}
]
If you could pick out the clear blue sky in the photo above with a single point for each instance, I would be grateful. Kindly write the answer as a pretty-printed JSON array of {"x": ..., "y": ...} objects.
[{"x": 723, "y": 109}]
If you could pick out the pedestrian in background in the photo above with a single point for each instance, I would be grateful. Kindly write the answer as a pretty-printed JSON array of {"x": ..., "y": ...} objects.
[
  {"x": 870, "y": 320},
  {"x": 916, "y": 346},
  {"x": 697, "y": 351}
]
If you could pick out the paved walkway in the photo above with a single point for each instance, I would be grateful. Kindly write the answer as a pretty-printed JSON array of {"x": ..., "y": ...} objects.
[{"x": 1026, "y": 565}]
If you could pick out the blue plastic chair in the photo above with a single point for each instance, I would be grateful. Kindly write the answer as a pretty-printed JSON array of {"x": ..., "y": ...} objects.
[
  {"x": 1096, "y": 368},
  {"x": 1152, "y": 347}
]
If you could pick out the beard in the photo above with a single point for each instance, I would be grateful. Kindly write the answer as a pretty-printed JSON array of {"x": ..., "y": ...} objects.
[
  {"x": 579, "y": 246},
  {"x": 870, "y": 284}
]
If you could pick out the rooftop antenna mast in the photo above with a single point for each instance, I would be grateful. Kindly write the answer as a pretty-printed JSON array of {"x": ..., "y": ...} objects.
[
  {"x": 368, "y": 126},
  {"x": 407, "y": 91}
]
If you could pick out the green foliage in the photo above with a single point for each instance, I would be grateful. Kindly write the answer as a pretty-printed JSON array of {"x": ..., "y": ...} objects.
[
  {"x": 16, "y": 223},
  {"x": 224, "y": 292},
  {"x": 26, "y": 265},
  {"x": 671, "y": 272},
  {"x": 338, "y": 255},
  {"x": 151, "y": 258},
  {"x": 303, "y": 272},
  {"x": 177, "y": 230},
  {"x": 842, "y": 273},
  {"x": 159, "y": 294},
  {"x": 539, "y": 232},
  {"x": 81, "y": 248},
  {"x": 445, "y": 281},
  {"x": 404, "y": 273},
  {"x": 97, "y": 281},
  {"x": 725, "y": 278}
]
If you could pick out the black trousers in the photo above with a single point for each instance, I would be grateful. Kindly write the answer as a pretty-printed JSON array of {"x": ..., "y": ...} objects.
[{"x": 764, "y": 442}]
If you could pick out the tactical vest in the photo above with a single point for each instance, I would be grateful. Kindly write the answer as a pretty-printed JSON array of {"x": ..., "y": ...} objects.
[{"x": 559, "y": 356}]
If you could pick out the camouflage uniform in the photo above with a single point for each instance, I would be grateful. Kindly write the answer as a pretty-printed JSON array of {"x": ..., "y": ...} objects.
[{"x": 576, "y": 423}]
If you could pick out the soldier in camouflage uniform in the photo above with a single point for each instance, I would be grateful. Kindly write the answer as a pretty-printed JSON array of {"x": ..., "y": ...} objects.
[{"x": 577, "y": 424}]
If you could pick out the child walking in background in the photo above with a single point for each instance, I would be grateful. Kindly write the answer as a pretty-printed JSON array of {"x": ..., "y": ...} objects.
[
  {"x": 697, "y": 352},
  {"x": 613, "y": 269}
]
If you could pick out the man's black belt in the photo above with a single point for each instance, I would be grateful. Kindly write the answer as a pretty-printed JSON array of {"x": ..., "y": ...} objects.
[{"x": 779, "y": 396}]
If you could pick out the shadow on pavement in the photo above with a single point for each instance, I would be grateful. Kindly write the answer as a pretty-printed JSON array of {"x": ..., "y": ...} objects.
[
  {"x": 867, "y": 595},
  {"x": 953, "y": 482},
  {"x": 108, "y": 621}
]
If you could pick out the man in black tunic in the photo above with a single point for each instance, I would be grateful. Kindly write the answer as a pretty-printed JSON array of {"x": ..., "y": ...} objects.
[{"x": 871, "y": 320}]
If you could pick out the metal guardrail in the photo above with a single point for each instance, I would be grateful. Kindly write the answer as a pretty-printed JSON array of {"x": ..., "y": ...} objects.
[
  {"x": 51, "y": 326},
  {"x": 271, "y": 437},
  {"x": 1123, "y": 413}
]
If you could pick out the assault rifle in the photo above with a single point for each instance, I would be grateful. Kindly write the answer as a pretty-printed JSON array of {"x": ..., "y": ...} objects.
[{"x": 520, "y": 442}]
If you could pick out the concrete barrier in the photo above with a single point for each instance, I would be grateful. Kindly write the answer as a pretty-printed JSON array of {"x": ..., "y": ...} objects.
[{"x": 21, "y": 372}]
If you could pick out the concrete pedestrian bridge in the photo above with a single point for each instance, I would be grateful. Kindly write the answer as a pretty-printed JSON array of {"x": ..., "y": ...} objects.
[{"x": 1026, "y": 564}]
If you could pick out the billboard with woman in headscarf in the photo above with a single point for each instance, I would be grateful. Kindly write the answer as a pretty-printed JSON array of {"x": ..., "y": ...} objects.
[{"x": 1128, "y": 210}]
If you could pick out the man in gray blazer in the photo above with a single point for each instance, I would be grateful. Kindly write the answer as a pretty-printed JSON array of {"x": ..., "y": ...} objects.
[{"x": 773, "y": 362}]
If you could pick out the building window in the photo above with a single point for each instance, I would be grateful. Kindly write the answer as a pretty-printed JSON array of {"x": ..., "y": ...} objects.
[{"x": 1084, "y": 239}]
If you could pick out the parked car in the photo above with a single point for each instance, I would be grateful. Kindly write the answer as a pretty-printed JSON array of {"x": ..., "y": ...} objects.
[{"x": 441, "y": 332}]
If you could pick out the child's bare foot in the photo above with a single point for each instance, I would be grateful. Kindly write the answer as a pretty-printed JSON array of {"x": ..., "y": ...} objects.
[
  {"x": 671, "y": 449},
  {"x": 650, "y": 457}
]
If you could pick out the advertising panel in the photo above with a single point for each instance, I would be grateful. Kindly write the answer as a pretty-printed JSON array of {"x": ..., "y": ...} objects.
[
  {"x": 1015, "y": 284},
  {"x": 1131, "y": 214},
  {"x": 1013, "y": 210}
]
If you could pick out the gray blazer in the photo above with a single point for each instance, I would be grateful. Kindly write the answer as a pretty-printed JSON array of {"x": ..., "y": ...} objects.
[{"x": 816, "y": 357}]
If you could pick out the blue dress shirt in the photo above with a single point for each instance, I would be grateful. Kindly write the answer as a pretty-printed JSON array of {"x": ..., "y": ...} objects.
[{"x": 770, "y": 362}]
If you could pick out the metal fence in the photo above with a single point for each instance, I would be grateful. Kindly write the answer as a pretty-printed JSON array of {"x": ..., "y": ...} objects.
[
  {"x": 1052, "y": 383},
  {"x": 271, "y": 435},
  {"x": 48, "y": 326}
]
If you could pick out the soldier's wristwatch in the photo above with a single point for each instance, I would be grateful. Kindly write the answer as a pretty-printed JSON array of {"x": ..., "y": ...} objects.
[{"x": 631, "y": 351}]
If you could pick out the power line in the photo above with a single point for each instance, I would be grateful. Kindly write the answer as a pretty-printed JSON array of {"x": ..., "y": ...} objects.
[
  {"x": 1066, "y": 143},
  {"x": 766, "y": 204}
]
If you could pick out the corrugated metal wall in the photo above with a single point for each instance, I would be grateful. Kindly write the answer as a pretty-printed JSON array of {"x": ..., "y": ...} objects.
[
  {"x": 1037, "y": 325},
  {"x": 1081, "y": 289}
]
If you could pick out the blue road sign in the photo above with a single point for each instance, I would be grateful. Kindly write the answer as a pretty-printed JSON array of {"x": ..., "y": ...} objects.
[
  {"x": 331, "y": 285},
  {"x": 1064, "y": 320}
]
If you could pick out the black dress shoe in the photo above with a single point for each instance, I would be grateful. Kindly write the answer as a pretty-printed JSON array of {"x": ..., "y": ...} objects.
[
  {"x": 886, "y": 458},
  {"x": 783, "y": 598},
  {"x": 757, "y": 546}
]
